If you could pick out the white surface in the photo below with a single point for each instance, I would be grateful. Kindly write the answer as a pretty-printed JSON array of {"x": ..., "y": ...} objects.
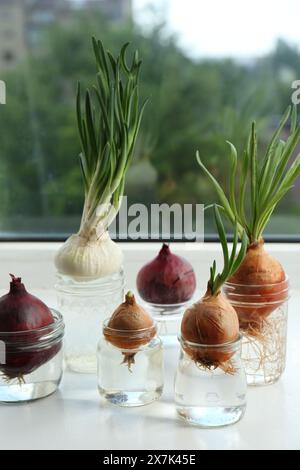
[
  {"x": 76, "y": 418},
  {"x": 34, "y": 261}
]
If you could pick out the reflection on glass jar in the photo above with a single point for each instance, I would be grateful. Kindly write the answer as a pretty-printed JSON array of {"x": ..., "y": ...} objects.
[
  {"x": 210, "y": 384},
  {"x": 130, "y": 376},
  {"x": 84, "y": 306},
  {"x": 31, "y": 362},
  {"x": 263, "y": 313},
  {"x": 168, "y": 318}
]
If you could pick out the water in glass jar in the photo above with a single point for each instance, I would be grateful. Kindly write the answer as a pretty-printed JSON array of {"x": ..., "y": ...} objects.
[
  {"x": 137, "y": 385},
  {"x": 209, "y": 398}
]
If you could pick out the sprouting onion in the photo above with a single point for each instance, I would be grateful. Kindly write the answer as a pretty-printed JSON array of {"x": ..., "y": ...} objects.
[
  {"x": 266, "y": 181},
  {"x": 213, "y": 320},
  {"x": 108, "y": 124}
]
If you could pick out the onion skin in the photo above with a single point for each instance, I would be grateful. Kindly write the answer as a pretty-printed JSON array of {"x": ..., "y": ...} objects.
[
  {"x": 23, "y": 312},
  {"x": 167, "y": 279},
  {"x": 87, "y": 259},
  {"x": 211, "y": 321},
  {"x": 128, "y": 319},
  {"x": 262, "y": 270}
]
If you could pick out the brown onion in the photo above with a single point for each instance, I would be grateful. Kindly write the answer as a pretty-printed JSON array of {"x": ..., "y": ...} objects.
[
  {"x": 211, "y": 321},
  {"x": 129, "y": 327},
  {"x": 260, "y": 280}
]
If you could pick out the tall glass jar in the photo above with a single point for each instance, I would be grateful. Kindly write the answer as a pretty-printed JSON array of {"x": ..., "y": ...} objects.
[
  {"x": 130, "y": 376},
  {"x": 31, "y": 362},
  {"x": 263, "y": 313},
  {"x": 84, "y": 306},
  {"x": 210, "y": 384}
]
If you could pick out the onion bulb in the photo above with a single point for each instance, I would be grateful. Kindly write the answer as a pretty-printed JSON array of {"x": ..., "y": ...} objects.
[
  {"x": 213, "y": 321},
  {"x": 23, "y": 312},
  {"x": 129, "y": 328},
  {"x": 167, "y": 279},
  {"x": 89, "y": 258},
  {"x": 260, "y": 282}
]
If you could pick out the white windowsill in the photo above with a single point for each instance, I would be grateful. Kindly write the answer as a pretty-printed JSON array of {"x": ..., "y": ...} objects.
[
  {"x": 30, "y": 259},
  {"x": 74, "y": 417}
]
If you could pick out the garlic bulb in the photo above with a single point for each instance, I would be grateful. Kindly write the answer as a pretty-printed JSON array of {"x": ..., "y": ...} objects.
[{"x": 88, "y": 259}]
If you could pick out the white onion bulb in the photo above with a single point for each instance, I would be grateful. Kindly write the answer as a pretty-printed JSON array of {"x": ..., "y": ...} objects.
[{"x": 88, "y": 259}]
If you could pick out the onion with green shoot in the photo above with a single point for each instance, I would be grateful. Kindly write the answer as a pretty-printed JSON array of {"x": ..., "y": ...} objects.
[
  {"x": 108, "y": 125},
  {"x": 268, "y": 180},
  {"x": 213, "y": 321}
]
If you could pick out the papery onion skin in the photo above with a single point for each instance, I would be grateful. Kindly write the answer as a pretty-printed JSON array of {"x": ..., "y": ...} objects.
[
  {"x": 128, "y": 320},
  {"x": 86, "y": 259},
  {"x": 210, "y": 321},
  {"x": 23, "y": 312},
  {"x": 262, "y": 270},
  {"x": 167, "y": 279}
]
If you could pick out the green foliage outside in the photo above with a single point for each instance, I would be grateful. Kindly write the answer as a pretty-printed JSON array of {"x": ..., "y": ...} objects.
[{"x": 193, "y": 105}]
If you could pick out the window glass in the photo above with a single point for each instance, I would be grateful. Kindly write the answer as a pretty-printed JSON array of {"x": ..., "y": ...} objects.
[{"x": 209, "y": 70}]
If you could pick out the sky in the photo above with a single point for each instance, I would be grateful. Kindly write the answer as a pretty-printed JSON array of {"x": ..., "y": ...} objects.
[{"x": 218, "y": 28}]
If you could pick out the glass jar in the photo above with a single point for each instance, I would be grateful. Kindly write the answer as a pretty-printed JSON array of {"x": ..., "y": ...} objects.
[
  {"x": 84, "y": 306},
  {"x": 31, "y": 362},
  {"x": 210, "y": 384},
  {"x": 168, "y": 318},
  {"x": 263, "y": 313},
  {"x": 130, "y": 377}
]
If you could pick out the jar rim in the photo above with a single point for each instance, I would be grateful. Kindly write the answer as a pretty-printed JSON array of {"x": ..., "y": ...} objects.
[
  {"x": 228, "y": 345},
  {"x": 66, "y": 284},
  {"x": 56, "y": 326},
  {"x": 275, "y": 284},
  {"x": 138, "y": 332}
]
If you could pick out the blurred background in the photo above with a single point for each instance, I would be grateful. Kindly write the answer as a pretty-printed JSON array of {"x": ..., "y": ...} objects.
[{"x": 209, "y": 69}]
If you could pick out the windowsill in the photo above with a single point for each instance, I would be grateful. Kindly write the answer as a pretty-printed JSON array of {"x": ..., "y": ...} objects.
[
  {"x": 273, "y": 410},
  {"x": 30, "y": 259}
]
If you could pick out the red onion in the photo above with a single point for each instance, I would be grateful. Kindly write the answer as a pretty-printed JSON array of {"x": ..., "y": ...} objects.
[
  {"x": 22, "y": 312},
  {"x": 167, "y": 279}
]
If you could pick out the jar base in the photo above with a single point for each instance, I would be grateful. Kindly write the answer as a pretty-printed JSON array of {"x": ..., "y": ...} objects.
[
  {"x": 261, "y": 381},
  {"x": 81, "y": 364},
  {"x": 16, "y": 393},
  {"x": 85, "y": 305},
  {"x": 211, "y": 417},
  {"x": 129, "y": 398},
  {"x": 264, "y": 354}
]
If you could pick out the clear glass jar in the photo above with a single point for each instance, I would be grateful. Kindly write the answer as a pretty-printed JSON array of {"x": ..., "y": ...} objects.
[
  {"x": 84, "y": 306},
  {"x": 210, "y": 384},
  {"x": 31, "y": 362},
  {"x": 168, "y": 318},
  {"x": 263, "y": 314},
  {"x": 130, "y": 376}
]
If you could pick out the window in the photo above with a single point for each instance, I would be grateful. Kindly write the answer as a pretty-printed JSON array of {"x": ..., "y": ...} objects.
[{"x": 208, "y": 73}]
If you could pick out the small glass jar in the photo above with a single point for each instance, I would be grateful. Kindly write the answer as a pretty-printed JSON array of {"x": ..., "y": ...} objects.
[
  {"x": 130, "y": 377},
  {"x": 210, "y": 384},
  {"x": 84, "y": 306},
  {"x": 263, "y": 313},
  {"x": 168, "y": 318},
  {"x": 31, "y": 362}
]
